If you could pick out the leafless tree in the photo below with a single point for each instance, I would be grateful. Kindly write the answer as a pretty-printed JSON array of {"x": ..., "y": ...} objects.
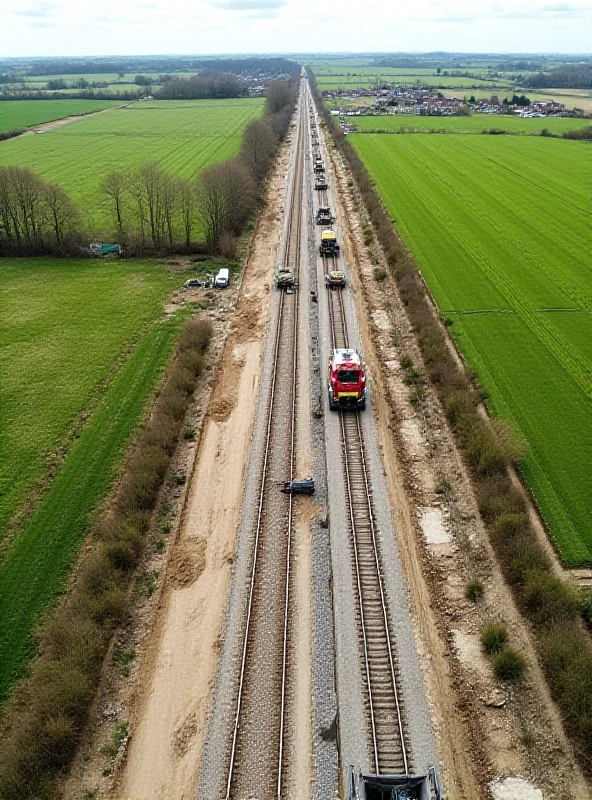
[
  {"x": 279, "y": 94},
  {"x": 186, "y": 197},
  {"x": 35, "y": 215},
  {"x": 170, "y": 206},
  {"x": 136, "y": 190},
  {"x": 8, "y": 210},
  {"x": 61, "y": 212},
  {"x": 152, "y": 179},
  {"x": 258, "y": 147},
  {"x": 116, "y": 185},
  {"x": 27, "y": 192},
  {"x": 226, "y": 199}
]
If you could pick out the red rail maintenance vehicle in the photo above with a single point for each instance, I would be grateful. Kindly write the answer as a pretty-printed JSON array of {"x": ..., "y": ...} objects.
[{"x": 347, "y": 379}]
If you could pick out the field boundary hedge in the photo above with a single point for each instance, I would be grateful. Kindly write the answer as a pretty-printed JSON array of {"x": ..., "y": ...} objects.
[
  {"x": 47, "y": 712},
  {"x": 552, "y": 606}
]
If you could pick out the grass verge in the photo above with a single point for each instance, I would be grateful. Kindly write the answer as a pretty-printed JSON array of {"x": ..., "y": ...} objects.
[
  {"x": 553, "y": 608},
  {"x": 46, "y": 713}
]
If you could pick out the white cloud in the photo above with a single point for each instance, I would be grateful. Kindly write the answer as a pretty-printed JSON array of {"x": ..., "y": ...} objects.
[
  {"x": 252, "y": 26},
  {"x": 38, "y": 10},
  {"x": 246, "y": 5}
]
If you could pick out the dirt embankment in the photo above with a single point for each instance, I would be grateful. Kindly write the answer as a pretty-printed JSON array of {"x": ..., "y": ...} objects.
[
  {"x": 484, "y": 729},
  {"x": 164, "y": 704}
]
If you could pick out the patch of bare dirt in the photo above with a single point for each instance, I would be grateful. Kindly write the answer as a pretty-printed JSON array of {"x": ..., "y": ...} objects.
[
  {"x": 484, "y": 729},
  {"x": 186, "y": 564},
  {"x": 225, "y": 395}
]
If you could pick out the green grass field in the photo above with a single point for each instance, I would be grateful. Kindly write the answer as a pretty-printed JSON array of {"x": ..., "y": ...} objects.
[
  {"x": 182, "y": 136},
  {"x": 410, "y": 123},
  {"x": 78, "y": 337},
  {"x": 337, "y": 83},
  {"x": 64, "y": 325},
  {"x": 26, "y": 113},
  {"x": 501, "y": 228}
]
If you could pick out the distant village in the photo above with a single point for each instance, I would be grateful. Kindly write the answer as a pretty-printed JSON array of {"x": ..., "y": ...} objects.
[{"x": 428, "y": 102}]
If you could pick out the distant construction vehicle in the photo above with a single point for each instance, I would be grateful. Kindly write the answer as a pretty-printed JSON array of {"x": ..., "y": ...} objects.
[
  {"x": 324, "y": 216},
  {"x": 321, "y": 182},
  {"x": 104, "y": 249},
  {"x": 335, "y": 279},
  {"x": 284, "y": 279},
  {"x": 347, "y": 380},
  {"x": 329, "y": 246},
  {"x": 319, "y": 167}
]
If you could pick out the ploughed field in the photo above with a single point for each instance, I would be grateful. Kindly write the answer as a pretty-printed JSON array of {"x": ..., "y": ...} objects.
[
  {"x": 476, "y": 123},
  {"x": 182, "y": 136},
  {"x": 16, "y": 114},
  {"x": 84, "y": 343},
  {"x": 501, "y": 229}
]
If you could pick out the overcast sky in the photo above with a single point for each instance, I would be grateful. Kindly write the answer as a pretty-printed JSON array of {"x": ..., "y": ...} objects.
[{"x": 110, "y": 27}]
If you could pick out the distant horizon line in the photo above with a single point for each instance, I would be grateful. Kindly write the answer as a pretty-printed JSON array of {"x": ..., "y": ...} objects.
[{"x": 296, "y": 54}]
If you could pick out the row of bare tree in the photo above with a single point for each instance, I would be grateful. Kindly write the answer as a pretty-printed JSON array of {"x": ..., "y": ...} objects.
[
  {"x": 204, "y": 86},
  {"x": 35, "y": 215},
  {"x": 151, "y": 210},
  {"x": 154, "y": 211}
]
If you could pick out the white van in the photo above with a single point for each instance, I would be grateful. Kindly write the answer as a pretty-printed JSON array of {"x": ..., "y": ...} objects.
[{"x": 222, "y": 278}]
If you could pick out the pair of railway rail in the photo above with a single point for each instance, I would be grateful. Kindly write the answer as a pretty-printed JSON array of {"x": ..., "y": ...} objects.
[
  {"x": 260, "y": 721},
  {"x": 263, "y": 639}
]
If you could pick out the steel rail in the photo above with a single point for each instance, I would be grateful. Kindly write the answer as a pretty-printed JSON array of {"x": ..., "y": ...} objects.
[
  {"x": 340, "y": 339},
  {"x": 263, "y": 488},
  {"x": 299, "y": 189}
]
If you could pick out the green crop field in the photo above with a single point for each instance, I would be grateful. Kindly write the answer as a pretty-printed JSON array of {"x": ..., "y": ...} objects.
[
  {"x": 16, "y": 114},
  {"x": 182, "y": 136},
  {"x": 80, "y": 338},
  {"x": 344, "y": 82},
  {"x": 501, "y": 228},
  {"x": 411, "y": 123},
  {"x": 371, "y": 72}
]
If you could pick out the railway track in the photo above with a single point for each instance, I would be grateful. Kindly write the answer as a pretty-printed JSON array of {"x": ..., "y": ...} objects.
[
  {"x": 257, "y": 759},
  {"x": 381, "y": 680}
]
